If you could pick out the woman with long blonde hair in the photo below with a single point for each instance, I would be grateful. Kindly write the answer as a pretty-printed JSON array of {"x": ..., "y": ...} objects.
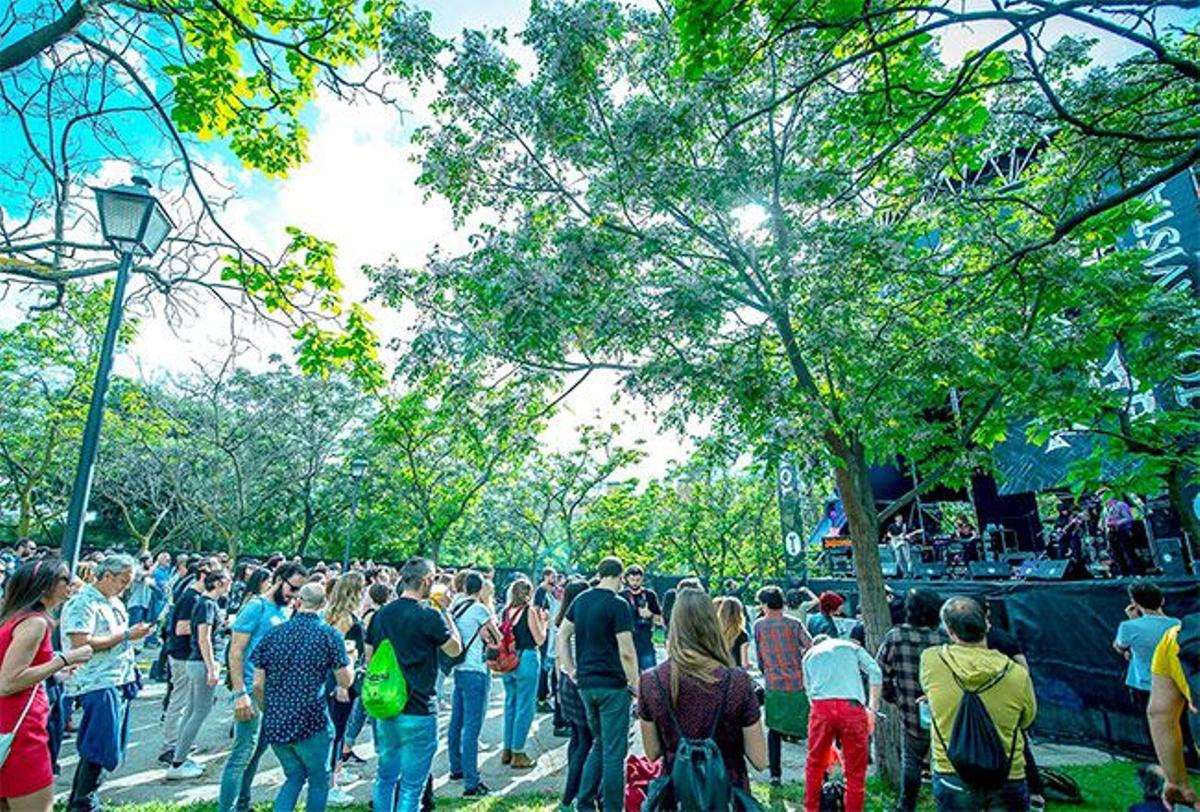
[
  {"x": 684, "y": 695},
  {"x": 732, "y": 617},
  {"x": 528, "y": 623},
  {"x": 345, "y": 597}
]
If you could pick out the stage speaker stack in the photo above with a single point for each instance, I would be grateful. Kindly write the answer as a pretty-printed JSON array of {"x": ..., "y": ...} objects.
[
  {"x": 1168, "y": 556},
  {"x": 1027, "y": 568},
  {"x": 887, "y": 562},
  {"x": 1060, "y": 570},
  {"x": 989, "y": 570},
  {"x": 1017, "y": 558},
  {"x": 929, "y": 570}
]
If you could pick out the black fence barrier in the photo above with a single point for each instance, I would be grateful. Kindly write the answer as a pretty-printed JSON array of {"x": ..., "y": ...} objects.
[{"x": 1067, "y": 631}]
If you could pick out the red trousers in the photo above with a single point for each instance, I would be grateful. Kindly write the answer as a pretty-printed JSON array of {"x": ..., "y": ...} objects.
[{"x": 844, "y": 722}]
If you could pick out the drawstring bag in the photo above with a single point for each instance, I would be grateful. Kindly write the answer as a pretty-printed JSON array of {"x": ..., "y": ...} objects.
[{"x": 6, "y": 739}]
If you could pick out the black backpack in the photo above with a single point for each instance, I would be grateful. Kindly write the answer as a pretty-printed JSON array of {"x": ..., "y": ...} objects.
[
  {"x": 447, "y": 663},
  {"x": 698, "y": 781},
  {"x": 975, "y": 748}
]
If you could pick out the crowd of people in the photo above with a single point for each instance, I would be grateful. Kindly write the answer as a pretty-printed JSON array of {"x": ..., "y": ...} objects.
[{"x": 300, "y": 651}]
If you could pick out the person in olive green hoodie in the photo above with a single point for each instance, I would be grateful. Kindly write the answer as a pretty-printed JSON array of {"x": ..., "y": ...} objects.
[{"x": 1010, "y": 703}]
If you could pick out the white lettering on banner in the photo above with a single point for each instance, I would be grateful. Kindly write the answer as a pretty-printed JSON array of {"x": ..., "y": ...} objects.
[{"x": 1155, "y": 236}]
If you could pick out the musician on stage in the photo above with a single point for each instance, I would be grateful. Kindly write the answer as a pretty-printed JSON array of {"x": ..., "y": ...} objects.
[
  {"x": 1118, "y": 520},
  {"x": 966, "y": 535},
  {"x": 1068, "y": 533},
  {"x": 897, "y": 536}
]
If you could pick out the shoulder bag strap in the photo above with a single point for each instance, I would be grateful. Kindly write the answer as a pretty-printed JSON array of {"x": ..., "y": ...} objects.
[
  {"x": 666, "y": 697},
  {"x": 25, "y": 711}
]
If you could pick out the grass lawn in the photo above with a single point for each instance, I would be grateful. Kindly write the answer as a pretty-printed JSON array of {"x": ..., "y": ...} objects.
[{"x": 1109, "y": 787}]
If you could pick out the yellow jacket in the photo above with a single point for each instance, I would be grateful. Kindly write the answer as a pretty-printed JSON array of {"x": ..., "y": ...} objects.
[{"x": 1010, "y": 702}]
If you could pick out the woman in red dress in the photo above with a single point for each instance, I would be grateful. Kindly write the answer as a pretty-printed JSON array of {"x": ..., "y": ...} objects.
[{"x": 26, "y": 660}]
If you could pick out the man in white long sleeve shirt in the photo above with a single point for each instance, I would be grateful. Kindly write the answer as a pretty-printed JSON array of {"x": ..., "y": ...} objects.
[{"x": 833, "y": 677}]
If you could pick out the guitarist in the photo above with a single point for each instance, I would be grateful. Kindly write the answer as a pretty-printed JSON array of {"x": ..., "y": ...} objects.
[{"x": 898, "y": 537}]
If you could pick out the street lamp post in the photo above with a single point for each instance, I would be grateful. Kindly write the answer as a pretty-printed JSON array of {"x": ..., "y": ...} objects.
[
  {"x": 135, "y": 224},
  {"x": 357, "y": 469}
]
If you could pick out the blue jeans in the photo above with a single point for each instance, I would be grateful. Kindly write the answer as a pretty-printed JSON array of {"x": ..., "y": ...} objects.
[
  {"x": 952, "y": 795},
  {"x": 305, "y": 761},
  {"x": 608, "y": 719},
  {"x": 358, "y": 718},
  {"x": 238, "y": 776},
  {"x": 466, "y": 720},
  {"x": 520, "y": 701},
  {"x": 406, "y": 745}
]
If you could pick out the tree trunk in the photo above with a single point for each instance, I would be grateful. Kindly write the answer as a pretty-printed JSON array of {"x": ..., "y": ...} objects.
[
  {"x": 1177, "y": 492},
  {"x": 307, "y": 531},
  {"x": 858, "y": 498},
  {"x": 25, "y": 514}
]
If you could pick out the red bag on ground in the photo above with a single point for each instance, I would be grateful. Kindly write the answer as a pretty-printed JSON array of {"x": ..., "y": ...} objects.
[{"x": 639, "y": 772}]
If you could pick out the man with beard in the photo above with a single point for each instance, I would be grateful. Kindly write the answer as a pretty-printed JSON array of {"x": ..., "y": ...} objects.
[
  {"x": 643, "y": 604},
  {"x": 260, "y": 613}
]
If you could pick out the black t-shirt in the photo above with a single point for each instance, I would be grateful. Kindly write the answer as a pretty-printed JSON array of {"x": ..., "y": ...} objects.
[
  {"x": 599, "y": 615},
  {"x": 643, "y": 627},
  {"x": 541, "y": 597},
  {"x": 1004, "y": 641},
  {"x": 204, "y": 610},
  {"x": 735, "y": 651},
  {"x": 417, "y": 633},
  {"x": 521, "y": 631},
  {"x": 179, "y": 646}
]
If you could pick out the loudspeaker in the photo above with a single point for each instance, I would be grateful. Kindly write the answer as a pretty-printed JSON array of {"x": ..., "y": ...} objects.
[
  {"x": 887, "y": 562},
  {"x": 1027, "y": 569},
  {"x": 1168, "y": 556},
  {"x": 989, "y": 570},
  {"x": 1018, "y": 557},
  {"x": 930, "y": 571},
  {"x": 1062, "y": 570}
]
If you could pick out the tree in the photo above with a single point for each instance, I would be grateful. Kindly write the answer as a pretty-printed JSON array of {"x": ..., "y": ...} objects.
[
  {"x": 436, "y": 446},
  {"x": 141, "y": 466},
  {"x": 722, "y": 518},
  {"x": 536, "y": 509},
  {"x": 47, "y": 364},
  {"x": 827, "y": 266},
  {"x": 263, "y": 450}
]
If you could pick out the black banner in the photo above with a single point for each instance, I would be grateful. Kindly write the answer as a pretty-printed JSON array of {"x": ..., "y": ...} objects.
[
  {"x": 1172, "y": 239},
  {"x": 1067, "y": 630}
]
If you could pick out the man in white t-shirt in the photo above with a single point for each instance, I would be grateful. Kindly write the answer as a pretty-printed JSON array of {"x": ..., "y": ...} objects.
[{"x": 476, "y": 628}]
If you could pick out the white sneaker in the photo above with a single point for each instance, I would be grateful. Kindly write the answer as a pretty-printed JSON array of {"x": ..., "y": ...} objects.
[
  {"x": 186, "y": 771},
  {"x": 339, "y": 797}
]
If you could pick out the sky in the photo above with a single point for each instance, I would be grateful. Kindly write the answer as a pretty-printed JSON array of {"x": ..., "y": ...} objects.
[{"x": 358, "y": 190}]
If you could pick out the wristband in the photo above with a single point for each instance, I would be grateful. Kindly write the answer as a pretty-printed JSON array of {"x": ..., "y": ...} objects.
[
  {"x": 63, "y": 657},
  {"x": 240, "y": 694},
  {"x": 127, "y": 637}
]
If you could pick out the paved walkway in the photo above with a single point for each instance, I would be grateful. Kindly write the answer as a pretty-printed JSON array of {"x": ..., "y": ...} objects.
[{"x": 141, "y": 778}]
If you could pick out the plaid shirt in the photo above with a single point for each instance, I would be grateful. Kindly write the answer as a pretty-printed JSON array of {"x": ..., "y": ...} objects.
[
  {"x": 900, "y": 659},
  {"x": 781, "y": 642}
]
